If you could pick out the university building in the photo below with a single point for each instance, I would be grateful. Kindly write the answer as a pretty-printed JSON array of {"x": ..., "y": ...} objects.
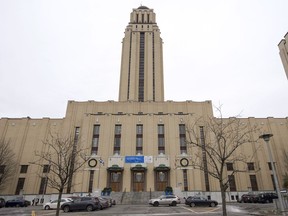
[{"x": 141, "y": 137}]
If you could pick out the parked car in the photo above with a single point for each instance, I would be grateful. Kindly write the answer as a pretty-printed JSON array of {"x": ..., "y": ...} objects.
[
  {"x": 17, "y": 203},
  {"x": 2, "y": 202},
  {"x": 84, "y": 203},
  {"x": 53, "y": 203},
  {"x": 267, "y": 197},
  {"x": 110, "y": 200},
  {"x": 170, "y": 200},
  {"x": 193, "y": 201},
  {"x": 104, "y": 203},
  {"x": 249, "y": 198}
]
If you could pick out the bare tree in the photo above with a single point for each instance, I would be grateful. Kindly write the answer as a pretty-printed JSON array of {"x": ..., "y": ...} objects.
[
  {"x": 285, "y": 176},
  {"x": 214, "y": 143},
  {"x": 64, "y": 157},
  {"x": 7, "y": 163}
]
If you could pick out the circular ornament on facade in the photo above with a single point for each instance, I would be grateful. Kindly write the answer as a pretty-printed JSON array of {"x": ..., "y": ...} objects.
[
  {"x": 184, "y": 162},
  {"x": 92, "y": 162}
]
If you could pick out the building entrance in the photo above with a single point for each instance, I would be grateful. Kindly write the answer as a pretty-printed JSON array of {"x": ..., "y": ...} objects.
[
  {"x": 162, "y": 180},
  {"x": 115, "y": 180},
  {"x": 138, "y": 181}
]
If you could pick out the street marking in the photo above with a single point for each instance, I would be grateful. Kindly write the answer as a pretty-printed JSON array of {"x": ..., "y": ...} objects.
[{"x": 204, "y": 212}]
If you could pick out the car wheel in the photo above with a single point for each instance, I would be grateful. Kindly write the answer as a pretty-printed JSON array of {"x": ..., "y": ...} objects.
[
  {"x": 47, "y": 207},
  {"x": 156, "y": 204},
  {"x": 212, "y": 204},
  {"x": 89, "y": 208},
  {"x": 173, "y": 203},
  {"x": 66, "y": 209},
  {"x": 192, "y": 204}
]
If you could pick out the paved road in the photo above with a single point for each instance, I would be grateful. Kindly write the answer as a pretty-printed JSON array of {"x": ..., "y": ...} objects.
[{"x": 144, "y": 210}]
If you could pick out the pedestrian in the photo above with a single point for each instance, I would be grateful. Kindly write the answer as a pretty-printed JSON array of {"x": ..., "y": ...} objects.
[
  {"x": 36, "y": 201},
  {"x": 33, "y": 200}
]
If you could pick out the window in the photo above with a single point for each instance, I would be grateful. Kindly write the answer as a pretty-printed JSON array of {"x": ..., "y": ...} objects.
[
  {"x": 46, "y": 168},
  {"x": 141, "y": 68},
  {"x": 76, "y": 135},
  {"x": 250, "y": 166},
  {"x": 2, "y": 169},
  {"x": 273, "y": 182},
  {"x": 117, "y": 139},
  {"x": 185, "y": 180},
  {"x": 253, "y": 181},
  {"x": 232, "y": 183},
  {"x": 20, "y": 185},
  {"x": 23, "y": 168},
  {"x": 206, "y": 175},
  {"x": 229, "y": 166},
  {"x": 161, "y": 139},
  {"x": 43, "y": 185},
  {"x": 269, "y": 165},
  {"x": 182, "y": 136},
  {"x": 95, "y": 139},
  {"x": 139, "y": 139},
  {"x": 91, "y": 181}
]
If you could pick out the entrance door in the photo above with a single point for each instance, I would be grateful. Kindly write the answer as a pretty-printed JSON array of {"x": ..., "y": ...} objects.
[
  {"x": 162, "y": 180},
  {"x": 138, "y": 181},
  {"x": 115, "y": 179}
]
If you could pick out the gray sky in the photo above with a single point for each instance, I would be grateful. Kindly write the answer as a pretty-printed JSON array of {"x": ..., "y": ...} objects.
[{"x": 52, "y": 51}]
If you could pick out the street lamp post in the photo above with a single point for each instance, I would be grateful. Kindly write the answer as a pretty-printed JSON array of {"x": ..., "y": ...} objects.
[{"x": 266, "y": 138}]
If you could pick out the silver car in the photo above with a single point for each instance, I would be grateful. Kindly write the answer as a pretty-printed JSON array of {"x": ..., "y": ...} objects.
[
  {"x": 53, "y": 203},
  {"x": 170, "y": 200}
]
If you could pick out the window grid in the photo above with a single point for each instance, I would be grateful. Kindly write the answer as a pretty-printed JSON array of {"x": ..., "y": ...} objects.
[
  {"x": 161, "y": 139},
  {"x": 139, "y": 139},
  {"x": 95, "y": 139},
  {"x": 20, "y": 185},
  {"x": 117, "y": 139}
]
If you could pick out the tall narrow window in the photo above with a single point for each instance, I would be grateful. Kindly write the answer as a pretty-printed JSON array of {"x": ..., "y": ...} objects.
[
  {"x": 185, "y": 180},
  {"x": 161, "y": 139},
  {"x": 141, "y": 68},
  {"x": 206, "y": 175},
  {"x": 269, "y": 165},
  {"x": 95, "y": 139},
  {"x": 117, "y": 139},
  {"x": 273, "y": 182},
  {"x": 182, "y": 136},
  {"x": 90, "y": 189},
  {"x": 253, "y": 181},
  {"x": 20, "y": 185},
  {"x": 139, "y": 139},
  {"x": 232, "y": 183},
  {"x": 43, "y": 185}
]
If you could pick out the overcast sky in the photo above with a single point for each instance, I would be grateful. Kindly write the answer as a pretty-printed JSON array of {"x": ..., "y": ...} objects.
[{"x": 52, "y": 51}]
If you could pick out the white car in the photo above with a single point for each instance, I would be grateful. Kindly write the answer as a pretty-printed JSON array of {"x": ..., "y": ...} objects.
[
  {"x": 170, "y": 200},
  {"x": 53, "y": 203}
]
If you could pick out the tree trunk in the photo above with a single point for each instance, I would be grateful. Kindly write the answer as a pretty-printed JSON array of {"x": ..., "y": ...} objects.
[
  {"x": 59, "y": 200},
  {"x": 223, "y": 196}
]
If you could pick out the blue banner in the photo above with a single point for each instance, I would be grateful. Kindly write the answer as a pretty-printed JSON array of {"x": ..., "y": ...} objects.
[{"x": 134, "y": 159}]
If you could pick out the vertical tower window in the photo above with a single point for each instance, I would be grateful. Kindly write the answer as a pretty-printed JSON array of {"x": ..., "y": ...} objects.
[
  {"x": 43, "y": 185},
  {"x": 20, "y": 185},
  {"x": 253, "y": 181},
  {"x": 95, "y": 139},
  {"x": 250, "y": 166},
  {"x": 90, "y": 189},
  {"x": 139, "y": 139},
  {"x": 161, "y": 139},
  {"x": 182, "y": 136},
  {"x": 232, "y": 183},
  {"x": 117, "y": 139},
  {"x": 185, "y": 180},
  {"x": 202, "y": 139},
  {"x": 141, "y": 68}
]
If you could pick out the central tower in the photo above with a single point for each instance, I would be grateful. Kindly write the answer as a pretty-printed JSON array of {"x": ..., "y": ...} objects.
[{"x": 141, "y": 77}]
